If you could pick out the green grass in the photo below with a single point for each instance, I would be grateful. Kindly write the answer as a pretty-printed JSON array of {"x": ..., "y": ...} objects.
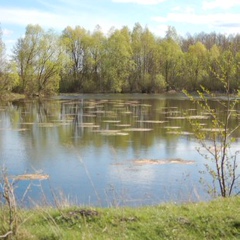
[{"x": 218, "y": 219}]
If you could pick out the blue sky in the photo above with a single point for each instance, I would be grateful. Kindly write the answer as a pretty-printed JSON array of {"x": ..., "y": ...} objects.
[{"x": 187, "y": 16}]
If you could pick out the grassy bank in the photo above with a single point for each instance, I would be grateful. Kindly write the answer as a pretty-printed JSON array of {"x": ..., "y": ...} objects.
[{"x": 219, "y": 219}]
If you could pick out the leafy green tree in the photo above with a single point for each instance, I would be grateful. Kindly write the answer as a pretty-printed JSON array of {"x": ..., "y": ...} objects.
[
  {"x": 2, "y": 63},
  {"x": 196, "y": 62},
  {"x": 10, "y": 78},
  {"x": 145, "y": 77},
  {"x": 122, "y": 61},
  {"x": 170, "y": 55},
  {"x": 49, "y": 64},
  {"x": 137, "y": 49},
  {"x": 171, "y": 34},
  {"x": 39, "y": 57},
  {"x": 8, "y": 73},
  {"x": 222, "y": 64},
  {"x": 118, "y": 61},
  {"x": 75, "y": 42},
  {"x": 237, "y": 72},
  {"x": 227, "y": 70},
  {"x": 2, "y": 52},
  {"x": 94, "y": 61},
  {"x": 149, "y": 65},
  {"x": 25, "y": 55},
  {"x": 213, "y": 59}
]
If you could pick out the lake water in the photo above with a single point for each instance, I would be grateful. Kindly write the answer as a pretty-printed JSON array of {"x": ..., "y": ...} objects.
[{"x": 102, "y": 150}]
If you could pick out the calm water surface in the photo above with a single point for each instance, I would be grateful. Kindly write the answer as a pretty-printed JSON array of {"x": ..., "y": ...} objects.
[{"x": 90, "y": 146}]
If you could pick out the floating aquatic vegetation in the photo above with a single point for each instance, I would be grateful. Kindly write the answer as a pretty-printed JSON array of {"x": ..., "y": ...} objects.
[
  {"x": 119, "y": 105},
  {"x": 89, "y": 115},
  {"x": 161, "y": 162},
  {"x": 171, "y": 112},
  {"x": 145, "y": 105},
  {"x": 137, "y": 129},
  {"x": 97, "y": 111},
  {"x": 132, "y": 102},
  {"x": 48, "y": 124},
  {"x": 103, "y": 101},
  {"x": 172, "y": 127},
  {"x": 197, "y": 117},
  {"x": 179, "y": 133},
  {"x": 88, "y": 125},
  {"x": 71, "y": 102},
  {"x": 59, "y": 121},
  {"x": 177, "y": 117},
  {"x": 122, "y": 134},
  {"x": 34, "y": 176},
  {"x": 114, "y": 134},
  {"x": 186, "y": 133},
  {"x": 106, "y": 131},
  {"x": 20, "y": 129},
  {"x": 69, "y": 114},
  {"x": 63, "y": 124},
  {"x": 213, "y": 129},
  {"x": 151, "y": 121},
  {"x": 99, "y": 105},
  {"x": 126, "y": 112},
  {"x": 199, "y": 124},
  {"x": 207, "y": 113},
  {"x": 112, "y": 121},
  {"x": 122, "y": 125},
  {"x": 169, "y": 107}
]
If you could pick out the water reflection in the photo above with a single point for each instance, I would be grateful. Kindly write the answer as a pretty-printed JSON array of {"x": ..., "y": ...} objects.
[{"x": 88, "y": 144}]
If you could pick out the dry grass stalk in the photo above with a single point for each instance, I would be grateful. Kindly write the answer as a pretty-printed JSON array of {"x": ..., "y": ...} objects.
[{"x": 34, "y": 176}]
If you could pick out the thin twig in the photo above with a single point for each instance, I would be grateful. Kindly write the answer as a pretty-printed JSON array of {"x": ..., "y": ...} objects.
[{"x": 5, "y": 235}]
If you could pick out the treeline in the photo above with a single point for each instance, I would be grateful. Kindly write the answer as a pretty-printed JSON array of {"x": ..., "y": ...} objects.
[{"x": 124, "y": 61}]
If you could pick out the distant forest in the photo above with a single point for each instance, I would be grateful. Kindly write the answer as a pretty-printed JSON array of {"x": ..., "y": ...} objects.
[{"x": 122, "y": 61}]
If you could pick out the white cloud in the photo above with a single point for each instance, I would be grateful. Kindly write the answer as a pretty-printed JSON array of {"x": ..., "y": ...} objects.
[
  {"x": 160, "y": 30},
  {"x": 23, "y": 17},
  {"x": 143, "y": 2},
  {"x": 7, "y": 32},
  {"x": 11, "y": 41},
  {"x": 223, "y": 4},
  {"x": 176, "y": 9},
  {"x": 227, "y": 20},
  {"x": 189, "y": 10}
]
